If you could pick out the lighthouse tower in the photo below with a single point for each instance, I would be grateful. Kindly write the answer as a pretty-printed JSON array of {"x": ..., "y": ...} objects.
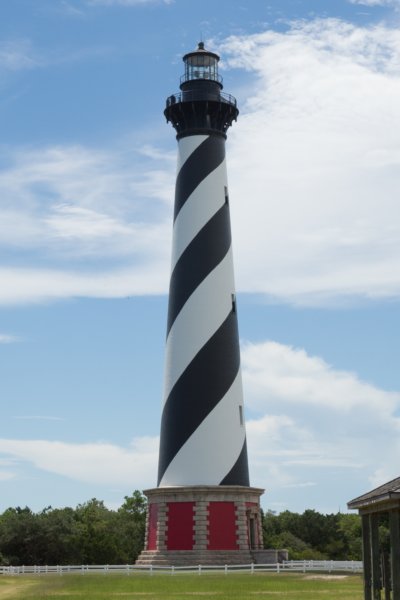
[{"x": 203, "y": 510}]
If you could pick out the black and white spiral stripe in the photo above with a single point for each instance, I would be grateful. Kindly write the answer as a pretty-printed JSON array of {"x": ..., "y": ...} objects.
[{"x": 203, "y": 439}]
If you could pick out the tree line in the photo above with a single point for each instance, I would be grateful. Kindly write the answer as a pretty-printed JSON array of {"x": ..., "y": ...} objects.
[
  {"x": 315, "y": 536},
  {"x": 91, "y": 533}
]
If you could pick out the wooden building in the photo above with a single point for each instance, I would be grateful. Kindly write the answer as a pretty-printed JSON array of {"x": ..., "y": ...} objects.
[{"x": 381, "y": 565}]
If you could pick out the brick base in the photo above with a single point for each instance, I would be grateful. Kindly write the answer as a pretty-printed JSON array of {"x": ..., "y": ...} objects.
[{"x": 214, "y": 525}]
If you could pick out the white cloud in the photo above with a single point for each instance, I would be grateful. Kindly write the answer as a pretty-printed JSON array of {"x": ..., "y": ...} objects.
[
  {"x": 91, "y": 209},
  {"x": 6, "y": 338},
  {"x": 21, "y": 54},
  {"x": 69, "y": 10},
  {"x": 125, "y": 3},
  {"x": 39, "y": 285},
  {"x": 276, "y": 374},
  {"x": 305, "y": 484},
  {"x": 37, "y": 418},
  {"x": 6, "y": 475},
  {"x": 332, "y": 414},
  {"x": 376, "y": 2},
  {"x": 16, "y": 55},
  {"x": 90, "y": 463},
  {"x": 314, "y": 162},
  {"x": 384, "y": 473},
  {"x": 87, "y": 177}
]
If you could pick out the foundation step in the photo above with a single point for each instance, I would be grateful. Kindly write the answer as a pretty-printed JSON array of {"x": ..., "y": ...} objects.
[{"x": 193, "y": 557}]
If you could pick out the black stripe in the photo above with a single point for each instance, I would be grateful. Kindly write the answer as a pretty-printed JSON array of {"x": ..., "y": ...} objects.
[
  {"x": 239, "y": 474},
  {"x": 205, "y": 159},
  {"x": 199, "y": 258},
  {"x": 198, "y": 390}
]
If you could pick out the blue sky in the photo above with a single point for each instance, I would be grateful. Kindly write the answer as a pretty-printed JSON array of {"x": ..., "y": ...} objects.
[{"x": 87, "y": 168}]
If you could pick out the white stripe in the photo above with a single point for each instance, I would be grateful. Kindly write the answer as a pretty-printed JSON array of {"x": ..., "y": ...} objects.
[
  {"x": 198, "y": 209},
  {"x": 213, "y": 449},
  {"x": 186, "y": 146},
  {"x": 203, "y": 313}
]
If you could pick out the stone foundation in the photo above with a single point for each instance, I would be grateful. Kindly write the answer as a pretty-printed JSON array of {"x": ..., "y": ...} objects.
[{"x": 193, "y": 525}]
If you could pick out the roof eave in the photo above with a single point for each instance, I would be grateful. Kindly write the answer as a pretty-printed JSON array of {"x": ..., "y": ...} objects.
[{"x": 362, "y": 502}]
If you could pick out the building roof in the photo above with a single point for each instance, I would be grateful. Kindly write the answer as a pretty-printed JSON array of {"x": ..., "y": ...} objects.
[{"x": 387, "y": 491}]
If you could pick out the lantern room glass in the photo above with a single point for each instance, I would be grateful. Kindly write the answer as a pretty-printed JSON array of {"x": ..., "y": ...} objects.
[{"x": 201, "y": 66}]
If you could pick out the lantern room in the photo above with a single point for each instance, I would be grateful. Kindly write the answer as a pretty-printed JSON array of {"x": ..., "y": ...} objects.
[{"x": 201, "y": 64}]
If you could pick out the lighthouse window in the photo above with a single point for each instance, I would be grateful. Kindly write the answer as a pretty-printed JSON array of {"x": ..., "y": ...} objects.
[
  {"x": 233, "y": 303},
  {"x": 226, "y": 195},
  {"x": 241, "y": 414}
]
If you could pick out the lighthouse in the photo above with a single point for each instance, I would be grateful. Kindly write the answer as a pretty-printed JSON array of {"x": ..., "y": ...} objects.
[{"x": 203, "y": 510}]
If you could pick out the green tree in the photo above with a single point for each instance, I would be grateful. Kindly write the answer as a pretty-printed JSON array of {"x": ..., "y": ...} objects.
[
  {"x": 131, "y": 526},
  {"x": 315, "y": 535},
  {"x": 350, "y": 528},
  {"x": 271, "y": 527},
  {"x": 59, "y": 536},
  {"x": 135, "y": 505},
  {"x": 19, "y": 532},
  {"x": 95, "y": 533},
  {"x": 89, "y": 534},
  {"x": 298, "y": 549}
]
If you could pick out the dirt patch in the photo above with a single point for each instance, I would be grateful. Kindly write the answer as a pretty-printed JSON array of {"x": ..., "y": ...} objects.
[
  {"x": 326, "y": 577},
  {"x": 135, "y": 594},
  {"x": 12, "y": 589}
]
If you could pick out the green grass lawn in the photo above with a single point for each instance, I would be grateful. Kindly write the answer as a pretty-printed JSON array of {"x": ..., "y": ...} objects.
[{"x": 216, "y": 586}]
